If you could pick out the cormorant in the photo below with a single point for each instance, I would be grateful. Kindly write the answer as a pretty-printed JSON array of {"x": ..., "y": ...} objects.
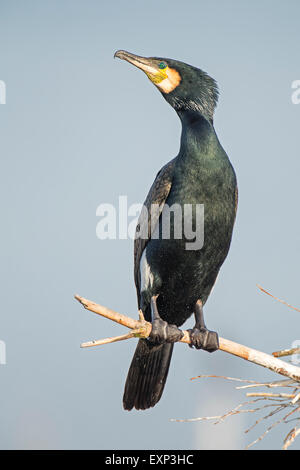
[{"x": 172, "y": 281}]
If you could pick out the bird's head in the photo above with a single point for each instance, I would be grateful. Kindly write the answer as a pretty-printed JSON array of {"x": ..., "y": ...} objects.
[{"x": 185, "y": 87}]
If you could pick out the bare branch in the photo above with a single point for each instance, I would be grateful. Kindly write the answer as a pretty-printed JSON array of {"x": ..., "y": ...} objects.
[
  {"x": 277, "y": 401},
  {"x": 276, "y": 298},
  {"x": 141, "y": 329},
  {"x": 276, "y": 383},
  {"x": 291, "y": 437},
  {"x": 286, "y": 352},
  {"x": 265, "y": 394}
]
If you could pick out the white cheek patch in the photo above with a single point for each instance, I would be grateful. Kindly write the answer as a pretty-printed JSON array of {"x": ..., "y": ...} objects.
[
  {"x": 171, "y": 82},
  {"x": 145, "y": 272}
]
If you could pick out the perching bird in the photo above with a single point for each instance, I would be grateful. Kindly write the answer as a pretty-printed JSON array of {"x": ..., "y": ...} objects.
[{"x": 173, "y": 281}]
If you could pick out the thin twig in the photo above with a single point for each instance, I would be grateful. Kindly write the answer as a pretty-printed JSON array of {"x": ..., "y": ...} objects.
[
  {"x": 203, "y": 376},
  {"x": 295, "y": 399},
  {"x": 280, "y": 408},
  {"x": 276, "y": 298},
  {"x": 286, "y": 352},
  {"x": 264, "y": 394},
  {"x": 99, "y": 342},
  {"x": 235, "y": 411},
  {"x": 276, "y": 383},
  {"x": 277, "y": 401},
  {"x": 291, "y": 437}
]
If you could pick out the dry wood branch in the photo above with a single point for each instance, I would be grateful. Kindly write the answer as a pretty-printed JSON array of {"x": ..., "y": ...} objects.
[
  {"x": 141, "y": 329},
  {"x": 277, "y": 383},
  {"x": 276, "y": 395},
  {"x": 291, "y": 437},
  {"x": 276, "y": 402},
  {"x": 286, "y": 352}
]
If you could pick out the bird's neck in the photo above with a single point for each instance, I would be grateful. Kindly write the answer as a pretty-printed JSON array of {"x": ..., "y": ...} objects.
[
  {"x": 189, "y": 116},
  {"x": 197, "y": 135}
]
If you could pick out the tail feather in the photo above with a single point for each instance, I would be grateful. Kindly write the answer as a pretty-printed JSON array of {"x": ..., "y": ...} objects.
[{"x": 147, "y": 375}]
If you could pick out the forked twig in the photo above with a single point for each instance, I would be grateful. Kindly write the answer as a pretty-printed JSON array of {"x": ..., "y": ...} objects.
[
  {"x": 278, "y": 402},
  {"x": 142, "y": 329}
]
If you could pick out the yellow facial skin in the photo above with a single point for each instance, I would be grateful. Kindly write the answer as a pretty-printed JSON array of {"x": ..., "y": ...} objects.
[
  {"x": 170, "y": 81},
  {"x": 166, "y": 79},
  {"x": 158, "y": 76}
]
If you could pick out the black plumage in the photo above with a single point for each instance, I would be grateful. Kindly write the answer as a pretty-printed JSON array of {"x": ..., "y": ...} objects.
[{"x": 174, "y": 282}]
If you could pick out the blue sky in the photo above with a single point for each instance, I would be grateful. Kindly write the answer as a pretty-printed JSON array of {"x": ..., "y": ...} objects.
[{"x": 79, "y": 129}]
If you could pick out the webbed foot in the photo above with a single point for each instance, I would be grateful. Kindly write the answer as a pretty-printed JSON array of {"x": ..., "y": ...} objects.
[
  {"x": 202, "y": 338},
  {"x": 163, "y": 332}
]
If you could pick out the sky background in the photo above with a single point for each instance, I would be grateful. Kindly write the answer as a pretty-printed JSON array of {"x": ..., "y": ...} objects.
[{"x": 79, "y": 129}]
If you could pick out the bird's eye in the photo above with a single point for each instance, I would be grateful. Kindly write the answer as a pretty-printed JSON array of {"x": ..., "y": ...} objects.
[{"x": 162, "y": 65}]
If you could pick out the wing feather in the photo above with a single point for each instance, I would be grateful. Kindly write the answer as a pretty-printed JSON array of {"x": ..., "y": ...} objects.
[{"x": 148, "y": 219}]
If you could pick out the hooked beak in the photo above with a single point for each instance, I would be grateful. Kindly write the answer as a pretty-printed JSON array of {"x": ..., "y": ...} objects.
[
  {"x": 165, "y": 78},
  {"x": 147, "y": 64}
]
